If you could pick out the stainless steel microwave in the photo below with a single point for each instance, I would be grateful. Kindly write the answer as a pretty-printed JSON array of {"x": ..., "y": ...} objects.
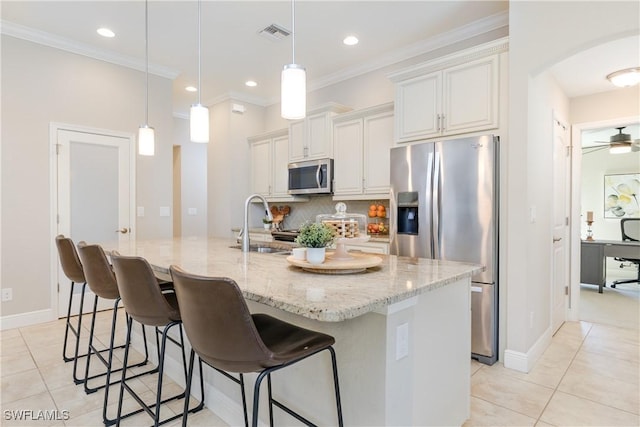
[{"x": 311, "y": 177}]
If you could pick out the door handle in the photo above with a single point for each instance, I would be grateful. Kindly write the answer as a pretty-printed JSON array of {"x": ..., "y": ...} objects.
[
  {"x": 123, "y": 230},
  {"x": 556, "y": 239}
]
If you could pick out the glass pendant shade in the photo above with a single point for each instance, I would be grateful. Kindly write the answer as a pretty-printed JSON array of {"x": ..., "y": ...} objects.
[
  {"x": 146, "y": 141},
  {"x": 293, "y": 92},
  {"x": 620, "y": 148},
  {"x": 199, "y": 120}
]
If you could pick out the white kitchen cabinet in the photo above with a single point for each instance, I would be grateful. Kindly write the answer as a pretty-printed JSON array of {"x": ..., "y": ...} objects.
[
  {"x": 312, "y": 138},
  {"x": 261, "y": 166},
  {"x": 269, "y": 159},
  {"x": 453, "y": 95},
  {"x": 362, "y": 140}
]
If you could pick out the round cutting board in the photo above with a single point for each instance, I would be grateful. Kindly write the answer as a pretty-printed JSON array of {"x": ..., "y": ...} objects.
[{"x": 357, "y": 264}]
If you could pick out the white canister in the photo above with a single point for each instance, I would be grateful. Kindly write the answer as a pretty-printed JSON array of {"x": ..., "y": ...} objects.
[
  {"x": 315, "y": 255},
  {"x": 299, "y": 253}
]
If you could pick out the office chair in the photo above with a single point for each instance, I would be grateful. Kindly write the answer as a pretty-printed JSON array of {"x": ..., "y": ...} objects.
[{"x": 630, "y": 228}]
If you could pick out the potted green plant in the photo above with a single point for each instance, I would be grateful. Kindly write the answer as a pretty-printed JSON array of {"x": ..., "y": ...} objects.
[
  {"x": 266, "y": 222},
  {"x": 315, "y": 236}
]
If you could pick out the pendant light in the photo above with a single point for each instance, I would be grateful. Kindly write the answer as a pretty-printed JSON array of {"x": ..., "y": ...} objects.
[
  {"x": 199, "y": 114},
  {"x": 146, "y": 134},
  {"x": 293, "y": 101}
]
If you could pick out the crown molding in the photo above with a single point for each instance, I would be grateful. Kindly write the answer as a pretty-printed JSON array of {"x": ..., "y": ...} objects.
[
  {"x": 237, "y": 96},
  {"x": 476, "y": 28},
  {"x": 47, "y": 39}
]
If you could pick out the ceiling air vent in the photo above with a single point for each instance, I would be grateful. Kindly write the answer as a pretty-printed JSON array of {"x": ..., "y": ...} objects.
[{"x": 274, "y": 32}]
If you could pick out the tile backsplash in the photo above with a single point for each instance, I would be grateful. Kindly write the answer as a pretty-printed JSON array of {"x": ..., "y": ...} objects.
[{"x": 307, "y": 211}]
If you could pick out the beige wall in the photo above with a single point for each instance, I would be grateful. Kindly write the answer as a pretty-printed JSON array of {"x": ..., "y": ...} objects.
[
  {"x": 228, "y": 165},
  {"x": 569, "y": 27},
  {"x": 193, "y": 164},
  {"x": 614, "y": 104},
  {"x": 41, "y": 85}
]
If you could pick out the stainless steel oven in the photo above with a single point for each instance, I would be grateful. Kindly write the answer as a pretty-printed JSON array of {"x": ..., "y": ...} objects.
[{"x": 311, "y": 177}]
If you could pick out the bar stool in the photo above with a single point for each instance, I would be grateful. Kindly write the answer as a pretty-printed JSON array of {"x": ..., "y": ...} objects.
[
  {"x": 227, "y": 337},
  {"x": 147, "y": 304},
  {"x": 102, "y": 282},
  {"x": 72, "y": 268}
]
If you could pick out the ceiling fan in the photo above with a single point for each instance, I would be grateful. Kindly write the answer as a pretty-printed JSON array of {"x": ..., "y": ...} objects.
[{"x": 621, "y": 142}]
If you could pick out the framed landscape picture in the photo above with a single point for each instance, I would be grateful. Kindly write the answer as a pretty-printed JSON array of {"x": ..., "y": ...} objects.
[{"x": 621, "y": 195}]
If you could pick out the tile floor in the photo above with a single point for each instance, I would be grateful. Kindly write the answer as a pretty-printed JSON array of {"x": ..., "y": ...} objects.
[{"x": 589, "y": 376}]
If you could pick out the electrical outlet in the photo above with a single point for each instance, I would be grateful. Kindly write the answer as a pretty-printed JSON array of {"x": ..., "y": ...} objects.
[
  {"x": 402, "y": 341},
  {"x": 7, "y": 294}
]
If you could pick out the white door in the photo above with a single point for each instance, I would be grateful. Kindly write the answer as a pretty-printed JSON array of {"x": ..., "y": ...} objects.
[
  {"x": 95, "y": 194},
  {"x": 561, "y": 208}
]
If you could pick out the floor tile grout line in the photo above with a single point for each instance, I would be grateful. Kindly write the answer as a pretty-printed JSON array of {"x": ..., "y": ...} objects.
[
  {"x": 503, "y": 407},
  {"x": 573, "y": 358}
]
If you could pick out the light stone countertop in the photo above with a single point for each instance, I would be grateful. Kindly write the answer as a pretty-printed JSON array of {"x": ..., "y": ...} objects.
[{"x": 270, "y": 280}]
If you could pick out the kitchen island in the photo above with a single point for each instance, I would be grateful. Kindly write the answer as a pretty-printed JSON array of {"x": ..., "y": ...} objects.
[{"x": 402, "y": 330}]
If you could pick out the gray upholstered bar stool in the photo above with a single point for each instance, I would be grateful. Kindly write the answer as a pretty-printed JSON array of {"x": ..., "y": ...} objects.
[
  {"x": 145, "y": 303},
  {"x": 72, "y": 268},
  {"x": 227, "y": 337},
  {"x": 102, "y": 282}
]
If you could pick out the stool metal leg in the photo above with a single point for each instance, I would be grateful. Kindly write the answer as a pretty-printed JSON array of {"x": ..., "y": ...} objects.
[
  {"x": 108, "y": 363},
  {"x": 76, "y": 354},
  {"x": 267, "y": 372},
  {"x": 270, "y": 400},
  {"x": 336, "y": 385},
  {"x": 75, "y": 332},
  {"x": 152, "y": 410}
]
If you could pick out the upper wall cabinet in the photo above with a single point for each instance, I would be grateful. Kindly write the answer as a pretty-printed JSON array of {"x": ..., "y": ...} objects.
[
  {"x": 311, "y": 138},
  {"x": 361, "y": 143},
  {"x": 269, "y": 173},
  {"x": 452, "y": 95}
]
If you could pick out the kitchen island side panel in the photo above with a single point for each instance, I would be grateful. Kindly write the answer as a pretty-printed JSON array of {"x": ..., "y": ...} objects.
[{"x": 428, "y": 387}]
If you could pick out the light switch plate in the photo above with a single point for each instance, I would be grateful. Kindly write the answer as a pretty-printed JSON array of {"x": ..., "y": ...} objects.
[
  {"x": 192, "y": 211},
  {"x": 140, "y": 211},
  {"x": 165, "y": 211}
]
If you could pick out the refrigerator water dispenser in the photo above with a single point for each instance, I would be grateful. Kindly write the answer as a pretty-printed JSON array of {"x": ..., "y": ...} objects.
[{"x": 407, "y": 212}]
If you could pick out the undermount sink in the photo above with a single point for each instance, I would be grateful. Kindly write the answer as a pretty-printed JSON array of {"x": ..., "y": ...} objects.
[{"x": 266, "y": 249}]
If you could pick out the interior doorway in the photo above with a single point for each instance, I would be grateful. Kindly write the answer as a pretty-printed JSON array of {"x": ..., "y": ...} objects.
[
  {"x": 93, "y": 175},
  {"x": 620, "y": 306}
]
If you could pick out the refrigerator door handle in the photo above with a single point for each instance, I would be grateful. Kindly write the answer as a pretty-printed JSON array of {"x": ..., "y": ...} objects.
[
  {"x": 428, "y": 203},
  {"x": 436, "y": 207}
]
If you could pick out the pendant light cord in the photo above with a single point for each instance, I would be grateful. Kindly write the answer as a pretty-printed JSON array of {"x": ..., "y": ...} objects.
[
  {"x": 146, "y": 53},
  {"x": 199, "y": 52},
  {"x": 293, "y": 31}
]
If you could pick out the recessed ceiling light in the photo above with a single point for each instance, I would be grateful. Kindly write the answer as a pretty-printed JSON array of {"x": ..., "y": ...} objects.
[
  {"x": 350, "y": 40},
  {"x": 190, "y": 89},
  {"x": 250, "y": 83},
  {"x": 105, "y": 32}
]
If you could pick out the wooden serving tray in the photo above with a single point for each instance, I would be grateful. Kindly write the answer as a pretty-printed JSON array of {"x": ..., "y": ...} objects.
[{"x": 357, "y": 264}]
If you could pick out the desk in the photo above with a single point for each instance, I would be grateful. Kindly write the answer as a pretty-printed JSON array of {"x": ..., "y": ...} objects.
[{"x": 594, "y": 253}]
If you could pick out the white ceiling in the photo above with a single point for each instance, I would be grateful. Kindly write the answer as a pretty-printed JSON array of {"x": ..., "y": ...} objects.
[
  {"x": 585, "y": 73},
  {"x": 233, "y": 52}
]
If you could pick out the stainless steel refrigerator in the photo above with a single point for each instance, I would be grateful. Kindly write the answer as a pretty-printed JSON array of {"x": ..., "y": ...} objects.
[{"x": 444, "y": 205}]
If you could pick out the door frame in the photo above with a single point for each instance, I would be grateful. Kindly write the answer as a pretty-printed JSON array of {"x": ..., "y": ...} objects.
[
  {"x": 558, "y": 122},
  {"x": 54, "y": 127},
  {"x": 576, "y": 203}
]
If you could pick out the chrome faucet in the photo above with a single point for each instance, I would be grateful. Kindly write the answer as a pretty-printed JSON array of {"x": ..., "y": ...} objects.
[{"x": 245, "y": 229}]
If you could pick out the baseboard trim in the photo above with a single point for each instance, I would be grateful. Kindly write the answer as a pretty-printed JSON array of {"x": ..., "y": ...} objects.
[
  {"x": 524, "y": 362},
  {"x": 27, "y": 319}
]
